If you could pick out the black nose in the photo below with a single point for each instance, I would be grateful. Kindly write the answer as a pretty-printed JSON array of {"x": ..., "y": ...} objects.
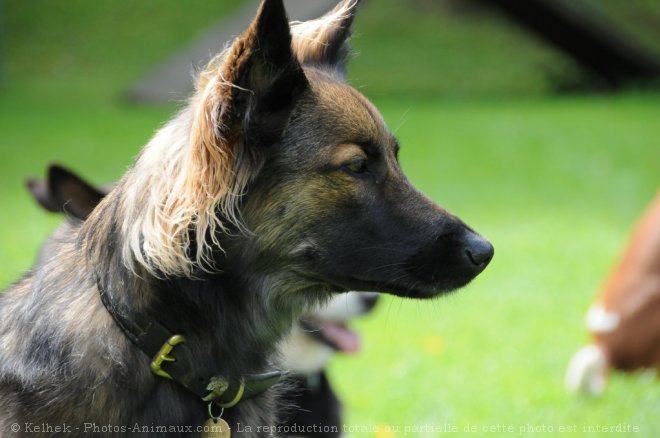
[{"x": 478, "y": 250}]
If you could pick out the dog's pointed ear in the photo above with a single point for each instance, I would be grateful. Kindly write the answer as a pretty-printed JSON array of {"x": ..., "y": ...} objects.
[
  {"x": 324, "y": 41},
  {"x": 243, "y": 100},
  {"x": 257, "y": 81}
]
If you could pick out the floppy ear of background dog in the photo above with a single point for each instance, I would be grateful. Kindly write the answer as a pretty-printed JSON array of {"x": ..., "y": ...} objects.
[
  {"x": 65, "y": 192},
  {"x": 41, "y": 192}
]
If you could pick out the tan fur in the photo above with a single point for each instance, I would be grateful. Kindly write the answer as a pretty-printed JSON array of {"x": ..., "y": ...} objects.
[
  {"x": 186, "y": 181},
  {"x": 345, "y": 152},
  {"x": 310, "y": 37}
]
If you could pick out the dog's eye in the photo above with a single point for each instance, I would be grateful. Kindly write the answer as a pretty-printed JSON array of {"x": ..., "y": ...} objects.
[{"x": 357, "y": 165}]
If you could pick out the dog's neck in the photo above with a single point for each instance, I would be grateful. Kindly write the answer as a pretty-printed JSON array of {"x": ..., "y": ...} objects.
[
  {"x": 229, "y": 323},
  {"x": 232, "y": 320}
]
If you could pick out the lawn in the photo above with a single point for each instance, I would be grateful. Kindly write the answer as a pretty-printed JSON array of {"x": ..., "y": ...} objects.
[{"x": 555, "y": 182}]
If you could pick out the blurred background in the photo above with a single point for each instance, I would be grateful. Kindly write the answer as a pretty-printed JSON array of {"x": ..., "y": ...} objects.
[{"x": 551, "y": 153}]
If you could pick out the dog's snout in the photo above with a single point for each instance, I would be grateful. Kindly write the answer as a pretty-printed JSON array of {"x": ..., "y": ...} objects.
[{"x": 478, "y": 250}]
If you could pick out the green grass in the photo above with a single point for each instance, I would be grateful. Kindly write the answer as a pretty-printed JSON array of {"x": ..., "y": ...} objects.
[
  {"x": 98, "y": 139},
  {"x": 98, "y": 47},
  {"x": 453, "y": 50},
  {"x": 554, "y": 182},
  {"x": 433, "y": 51}
]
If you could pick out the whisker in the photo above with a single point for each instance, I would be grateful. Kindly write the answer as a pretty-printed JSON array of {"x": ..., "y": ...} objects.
[{"x": 402, "y": 120}]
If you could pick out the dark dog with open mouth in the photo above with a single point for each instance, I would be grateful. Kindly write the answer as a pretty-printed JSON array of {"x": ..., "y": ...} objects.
[
  {"x": 310, "y": 404},
  {"x": 309, "y": 400},
  {"x": 276, "y": 187}
]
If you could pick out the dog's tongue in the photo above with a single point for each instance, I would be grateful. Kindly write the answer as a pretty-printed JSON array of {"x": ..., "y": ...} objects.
[{"x": 341, "y": 337}]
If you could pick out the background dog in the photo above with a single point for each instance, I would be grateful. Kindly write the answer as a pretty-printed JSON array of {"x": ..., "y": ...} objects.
[
  {"x": 306, "y": 352},
  {"x": 276, "y": 187},
  {"x": 625, "y": 319}
]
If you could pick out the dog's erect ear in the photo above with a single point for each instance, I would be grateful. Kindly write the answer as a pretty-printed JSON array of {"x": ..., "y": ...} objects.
[
  {"x": 257, "y": 81},
  {"x": 323, "y": 42},
  {"x": 243, "y": 101},
  {"x": 72, "y": 194}
]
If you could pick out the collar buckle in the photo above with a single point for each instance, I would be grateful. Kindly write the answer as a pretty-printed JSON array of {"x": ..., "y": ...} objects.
[{"x": 163, "y": 356}]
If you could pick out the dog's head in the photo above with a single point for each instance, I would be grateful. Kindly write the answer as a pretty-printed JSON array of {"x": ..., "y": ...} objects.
[
  {"x": 318, "y": 335},
  {"x": 288, "y": 169},
  {"x": 330, "y": 199}
]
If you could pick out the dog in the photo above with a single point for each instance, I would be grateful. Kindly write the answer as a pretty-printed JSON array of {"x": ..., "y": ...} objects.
[
  {"x": 625, "y": 319},
  {"x": 309, "y": 399},
  {"x": 274, "y": 189}
]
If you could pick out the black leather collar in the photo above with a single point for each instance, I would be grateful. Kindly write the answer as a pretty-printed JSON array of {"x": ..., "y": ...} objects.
[{"x": 172, "y": 359}]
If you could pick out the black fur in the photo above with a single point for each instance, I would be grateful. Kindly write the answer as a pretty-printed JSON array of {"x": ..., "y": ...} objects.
[{"x": 311, "y": 408}]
